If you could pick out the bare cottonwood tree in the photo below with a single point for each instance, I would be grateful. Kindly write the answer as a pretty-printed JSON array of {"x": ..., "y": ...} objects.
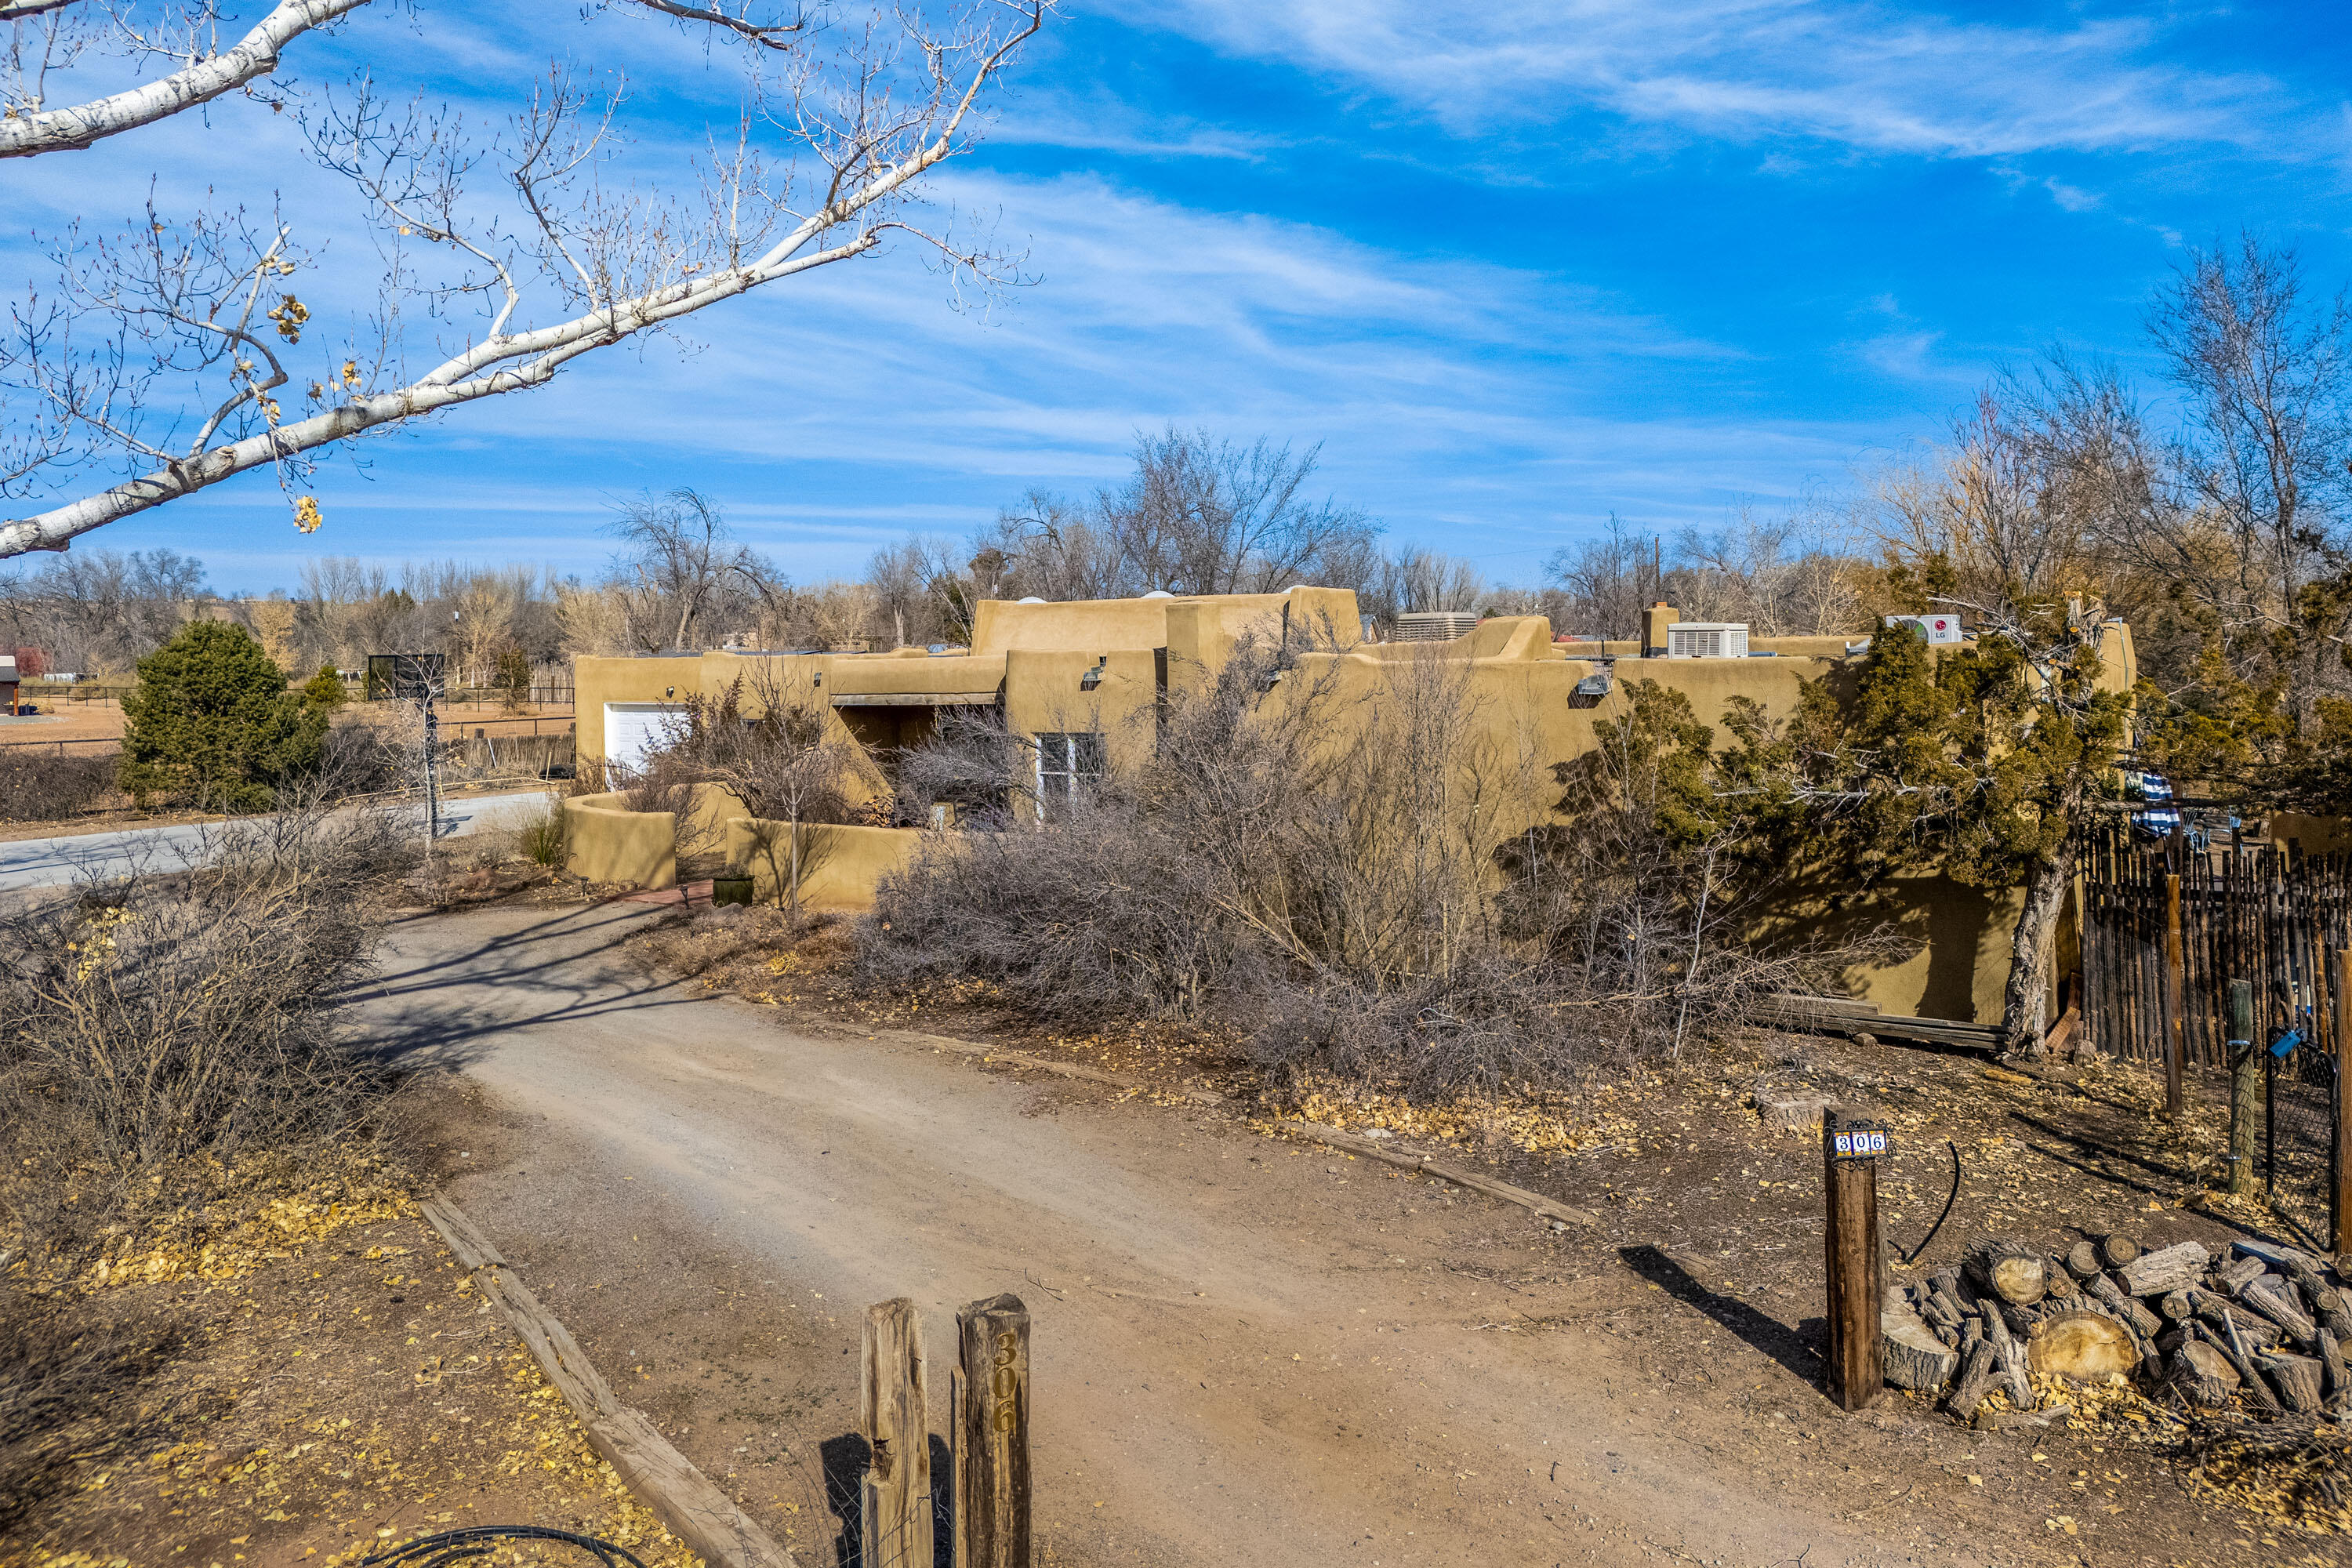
[{"x": 174, "y": 353}]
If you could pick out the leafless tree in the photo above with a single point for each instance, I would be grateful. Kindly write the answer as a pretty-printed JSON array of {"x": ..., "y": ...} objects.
[
  {"x": 771, "y": 746},
  {"x": 102, "y": 612},
  {"x": 676, "y": 557},
  {"x": 173, "y": 353}
]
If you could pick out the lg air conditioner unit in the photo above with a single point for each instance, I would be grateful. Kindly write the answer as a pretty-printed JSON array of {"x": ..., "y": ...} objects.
[
  {"x": 1936, "y": 629},
  {"x": 1707, "y": 639}
]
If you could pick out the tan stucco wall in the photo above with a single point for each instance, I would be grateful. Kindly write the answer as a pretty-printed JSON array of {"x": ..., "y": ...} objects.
[
  {"x": 606, "y": 842},
  {"x": 840, "y": 867}
]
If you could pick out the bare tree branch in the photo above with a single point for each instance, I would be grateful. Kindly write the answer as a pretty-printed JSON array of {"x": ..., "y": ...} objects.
[
  {"x": 622, "y": 264},
  {"x": 199, "y": 82},
  {"x": 772, "y": 35}
]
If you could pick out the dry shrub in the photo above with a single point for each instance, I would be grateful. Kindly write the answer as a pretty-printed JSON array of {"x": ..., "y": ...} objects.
[
  {"x": 157, "y": 1030},
  {"x": 35, "y": 788},
  {"x": 746, "y": 948},
  {"x": 1345, "y": 881}
]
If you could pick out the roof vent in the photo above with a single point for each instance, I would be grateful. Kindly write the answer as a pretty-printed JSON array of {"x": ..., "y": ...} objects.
[
  {"x": 1160, "y": 593},
  {"x": 1032, "y": 599},
  {"x": 1435, "y": 626}
]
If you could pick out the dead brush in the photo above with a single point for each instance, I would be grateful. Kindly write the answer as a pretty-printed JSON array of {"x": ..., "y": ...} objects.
[
  {"x": 1342, "y": 879},
  {"x": 184, "y": 1018}
]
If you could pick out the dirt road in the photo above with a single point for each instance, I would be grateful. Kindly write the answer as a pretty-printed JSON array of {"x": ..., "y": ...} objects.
[{"x": 1246, "y": 1352}]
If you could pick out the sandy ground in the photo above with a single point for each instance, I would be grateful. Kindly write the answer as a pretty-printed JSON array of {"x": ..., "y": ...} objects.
[{"x": 1246, "y": 1351}]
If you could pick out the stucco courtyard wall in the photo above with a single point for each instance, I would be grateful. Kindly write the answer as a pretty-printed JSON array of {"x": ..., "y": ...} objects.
[{"x": 840, "y": 867}]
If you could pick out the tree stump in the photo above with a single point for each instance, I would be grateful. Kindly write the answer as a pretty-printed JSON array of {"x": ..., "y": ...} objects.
[
  {"x": 2008, "y": 1269},
  {"x": 2297, "y": 1378},
  {"x": 2202, "y": 1375},
  {"x": 1915, "y": 1357},
  {"x": 2085, "y": 1346},
  {"x": 2160, "y": 1273}
]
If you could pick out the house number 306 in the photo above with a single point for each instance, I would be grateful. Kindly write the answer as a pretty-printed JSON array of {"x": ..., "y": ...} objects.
[{"x": 1005, "y": 1381}]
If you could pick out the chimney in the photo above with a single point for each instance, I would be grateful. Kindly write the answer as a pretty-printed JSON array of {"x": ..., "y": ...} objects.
[{"x": 1654, "y": 622}]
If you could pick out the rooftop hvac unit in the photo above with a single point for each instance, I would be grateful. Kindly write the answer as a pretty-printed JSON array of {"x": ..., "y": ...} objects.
[
  {"x": 1937, "y": 628},
  {"x": 1707, "y": 639},
  {"x": 1435, "y": 626}
]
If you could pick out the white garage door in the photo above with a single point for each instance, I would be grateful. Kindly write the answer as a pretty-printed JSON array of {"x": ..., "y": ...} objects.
[{"x": 632, "y": 730}]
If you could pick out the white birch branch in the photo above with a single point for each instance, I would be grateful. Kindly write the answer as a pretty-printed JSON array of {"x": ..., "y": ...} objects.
[{"x": 199, "y": 82}]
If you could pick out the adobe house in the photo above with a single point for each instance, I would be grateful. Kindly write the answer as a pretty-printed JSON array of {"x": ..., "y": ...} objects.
[{"x": 1078, "y": 676}]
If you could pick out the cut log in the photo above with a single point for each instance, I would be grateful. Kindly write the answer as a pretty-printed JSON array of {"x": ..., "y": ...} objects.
[
  {"x": 2062, "y": 1287},
  {"x": 2116, "y": 1249},
  {"x": 2286, "y": 1259},
  {"x": 2144, "y": 1322},
  {"x": 1943, "y": 1288},
  {"x": 2082, "y": 1260},
  {"x": 2326, "y": 1303},
  {"x": 2158, "y": 1273},
  {"x": 2008, "y": 1269},
  {"x": 2260, "y": 1333},
  {"x": 2335, "y": 1312},
  {"x": 2259, "y": 1296},
  {"x": 2085, "y": 1346},
  {"x": 2331, "y": 1357},
  {"x": 2175, "y": 1308},
  {"x": 2232, "y": 1343},
  {"x": 2010, "y": 1352},
  {"x": 1915, "y": 1357},
  {"x": 1979, "y": 1370},
  {"x": 2202, "y": 1375},
  {"x": 2296, "y": 1378},
  {"x": 2237, "y": 1271}
]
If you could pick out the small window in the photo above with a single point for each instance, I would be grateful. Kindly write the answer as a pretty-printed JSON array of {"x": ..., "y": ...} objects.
[{"x": 1067, "y": 765}]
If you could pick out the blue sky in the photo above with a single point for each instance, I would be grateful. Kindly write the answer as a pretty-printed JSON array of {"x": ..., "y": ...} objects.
[{"x": 1515, "y": 267}]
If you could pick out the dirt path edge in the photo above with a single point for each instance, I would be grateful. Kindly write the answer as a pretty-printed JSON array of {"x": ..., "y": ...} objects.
[{"x": 695, "y": 1511}]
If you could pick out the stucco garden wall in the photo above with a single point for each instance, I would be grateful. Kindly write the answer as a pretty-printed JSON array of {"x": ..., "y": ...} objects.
[
  {"x": 605, "y": 841},
  {"x": 839, "y": 867}
]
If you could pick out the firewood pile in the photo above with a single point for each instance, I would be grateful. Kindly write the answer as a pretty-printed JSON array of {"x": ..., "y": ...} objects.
[{"x": 2262, "y": 1329}]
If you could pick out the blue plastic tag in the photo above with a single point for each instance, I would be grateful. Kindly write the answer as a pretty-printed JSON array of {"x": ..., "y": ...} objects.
[{"x": 2283, "y": 1046}]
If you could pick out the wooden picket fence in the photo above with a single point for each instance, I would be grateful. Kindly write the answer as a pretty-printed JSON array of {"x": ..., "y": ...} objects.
[
  {"x": 2255, "y": 911},
  {"x": 2167, "y": 926}
]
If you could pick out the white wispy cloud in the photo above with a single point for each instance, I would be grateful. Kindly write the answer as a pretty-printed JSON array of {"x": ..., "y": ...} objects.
[{"x": 1876, "y": 77}]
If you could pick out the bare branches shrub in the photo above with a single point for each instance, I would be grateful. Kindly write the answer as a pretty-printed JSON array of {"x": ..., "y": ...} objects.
[
  {"x": 49, "y": 789},
  {"x": 1342, "y": 874},
  {"x": 157, "y": 1029}
]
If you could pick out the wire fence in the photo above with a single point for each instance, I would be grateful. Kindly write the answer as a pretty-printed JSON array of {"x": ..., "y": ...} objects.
[{"x": 2299, "y": 1119}]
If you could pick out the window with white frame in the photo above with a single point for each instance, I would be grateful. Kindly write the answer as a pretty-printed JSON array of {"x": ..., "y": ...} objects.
[{"x": 1067, "y": 763}]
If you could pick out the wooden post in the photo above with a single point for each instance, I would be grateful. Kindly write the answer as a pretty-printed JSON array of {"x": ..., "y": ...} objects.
[
  {"x": 2245, "y": 1086},
  {"x": 992, "y": 1424},
  {"x": 2176, "y": 985},
  {"x": 1856, "y": 1269},
  {"x": 2343, "y": 1173},
  {"x": 896, "y": 1492}
]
